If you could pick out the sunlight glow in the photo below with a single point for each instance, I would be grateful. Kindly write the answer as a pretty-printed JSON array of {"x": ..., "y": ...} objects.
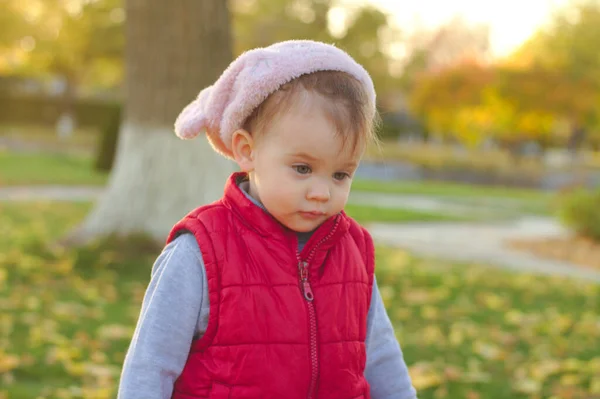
[{"x": 511, "y": 22}]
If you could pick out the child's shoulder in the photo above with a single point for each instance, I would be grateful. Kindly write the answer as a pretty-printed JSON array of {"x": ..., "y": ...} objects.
[
  {"x": 355, "y": 227},
  {"x": 208, "y": 210},
  {"x": 359, "y": 233},
  {"x": 206, "y": 218}
]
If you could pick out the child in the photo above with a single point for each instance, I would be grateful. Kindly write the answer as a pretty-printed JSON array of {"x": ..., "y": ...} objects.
[{"x": 270, "y": 292}]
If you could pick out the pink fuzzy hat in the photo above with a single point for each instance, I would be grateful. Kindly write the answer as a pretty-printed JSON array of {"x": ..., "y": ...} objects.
[{"x": 222, "y": 108}]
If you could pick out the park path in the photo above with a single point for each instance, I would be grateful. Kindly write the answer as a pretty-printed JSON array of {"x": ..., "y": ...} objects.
[
  {"x": 50, "y": 193},
  {"x": 482, "y": 241}
]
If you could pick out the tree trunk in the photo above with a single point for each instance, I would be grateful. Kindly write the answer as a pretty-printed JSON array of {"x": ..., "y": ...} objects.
[{"x": 173, "y": 49}]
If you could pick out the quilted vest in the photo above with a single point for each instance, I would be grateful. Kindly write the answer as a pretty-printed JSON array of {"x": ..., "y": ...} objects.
[{"x": 282, "y": 323}]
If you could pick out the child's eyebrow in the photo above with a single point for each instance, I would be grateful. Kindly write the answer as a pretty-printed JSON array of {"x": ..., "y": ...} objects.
[
  {"x": 351, "y": 164},
  {"x": 305, "y": 156}
]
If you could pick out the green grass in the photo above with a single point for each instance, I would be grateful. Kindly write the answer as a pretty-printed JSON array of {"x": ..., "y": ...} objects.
[
  {"x": 34, "y": 169},
  {"x": 467, "y": 331},
  {"x": 365, "y": 214},
  {"x": 84, "y": 139},
  {"x": 444, "y": 189},
  {"x": 509, "y": 198}
]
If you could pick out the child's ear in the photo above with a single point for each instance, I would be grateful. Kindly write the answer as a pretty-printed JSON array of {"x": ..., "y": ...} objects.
[{"x": 242, "y": 146}]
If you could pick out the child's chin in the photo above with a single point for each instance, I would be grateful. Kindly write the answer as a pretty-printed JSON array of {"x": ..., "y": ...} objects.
[
  {"x": 308, "y": 227},
  {"x": 301, "y": 227}
]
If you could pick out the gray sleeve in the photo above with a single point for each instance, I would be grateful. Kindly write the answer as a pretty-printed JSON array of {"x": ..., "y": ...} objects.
[
  {"x": 386, "y": 370},
  {"x": 174, "y": 311}
]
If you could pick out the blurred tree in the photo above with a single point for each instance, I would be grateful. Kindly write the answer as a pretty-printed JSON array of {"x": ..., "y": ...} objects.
[
  {"x": 361, "y": 31},
  {"x": 438, "y": 97},
  {"x": 453, "y": 43},
  {"x": 83, "y": 40},
  {"x": 565, "y": 53},
  {"x": 458, "y": 52},
  {"x": 568, "y": 43},
  {"x": 472, "y": 102},
  {"x": 173, "y": 49},
  {"x": 77, "y": 41},
  {"x": 552, "y": 80},
  {"x": 367, "y": 34},
  {"x": 14, "y": 26}
]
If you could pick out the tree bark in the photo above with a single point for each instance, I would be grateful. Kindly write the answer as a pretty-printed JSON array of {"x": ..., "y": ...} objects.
[{"x": 173, "y": 50}]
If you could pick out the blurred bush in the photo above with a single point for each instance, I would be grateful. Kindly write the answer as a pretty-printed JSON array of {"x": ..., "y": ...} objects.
[{"x": 580, "y": 210}]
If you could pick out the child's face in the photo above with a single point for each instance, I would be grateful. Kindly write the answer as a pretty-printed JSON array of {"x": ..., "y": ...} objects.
[{"x": 300, "y": 170}]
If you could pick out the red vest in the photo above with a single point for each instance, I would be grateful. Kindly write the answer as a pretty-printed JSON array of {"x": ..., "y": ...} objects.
[{"x": 282, "y": 324}]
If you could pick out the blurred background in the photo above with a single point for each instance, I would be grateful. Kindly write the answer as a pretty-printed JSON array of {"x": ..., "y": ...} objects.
[{"x": 484, "y": 197}]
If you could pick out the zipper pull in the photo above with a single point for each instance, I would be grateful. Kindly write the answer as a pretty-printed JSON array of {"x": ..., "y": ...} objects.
[
  {"x": 308, "y": 295},
  {"x": 306, "y": 288}
]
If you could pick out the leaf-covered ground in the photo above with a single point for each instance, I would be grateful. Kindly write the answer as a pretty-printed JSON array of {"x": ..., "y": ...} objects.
[{"x": 467, "y": 331}]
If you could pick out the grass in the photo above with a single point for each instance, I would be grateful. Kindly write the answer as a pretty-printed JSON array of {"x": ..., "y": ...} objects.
[
  {"x": 443, "y": 189},
  {"x": 35, "y": 136},
  {"x": 365, "y": 214},
  {"x": 510, "y": 198},
  {"x": 67, "y": 314},
  {"x": 467, "y": 331},
  {"x": 60, "y": 169}
]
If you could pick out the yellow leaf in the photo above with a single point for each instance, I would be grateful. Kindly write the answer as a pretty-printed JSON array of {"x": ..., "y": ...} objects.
[
  {"x": 595, "y": 386},
  {"x": 423, "y": 376},
  {"x": 76, "y": 369},
  {"x": 440, "y": 393},
  {"x": 572, "y": 364},
  {"x": 457, "y": 336},
  {"x": 387, "y": 294},
  {"x": 403, "y": 313},
  {"x": 115, "y": 332},
  {"x": 432, "y": 335},
  {"x": 487, "y": 350},
  {"x": 570, "y": 379},
  {"x": 493, "y": 301},
  {"x": 541, "y": 371},
  {"x": 452, "y": 373},
  {"x": 527, "y": 386},
  {"x": 594, "y": 365},
  {"x": 513, "y": 317},
  {"x": 417, "y": 296},
  {"x": 429, "y": 312},
  {"x": 473, "y": 395},
  {"x": 8, "y": 362}
]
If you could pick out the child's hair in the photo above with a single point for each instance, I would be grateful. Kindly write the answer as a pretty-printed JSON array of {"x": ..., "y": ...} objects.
[{"x": 346, "y": 105}]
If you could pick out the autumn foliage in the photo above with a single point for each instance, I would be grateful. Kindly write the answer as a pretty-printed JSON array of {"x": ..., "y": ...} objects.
[{"x": 472, "y": 102}]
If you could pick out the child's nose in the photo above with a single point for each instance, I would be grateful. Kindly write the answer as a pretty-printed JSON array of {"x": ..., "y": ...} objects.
[{"x": 319, "y": 192}]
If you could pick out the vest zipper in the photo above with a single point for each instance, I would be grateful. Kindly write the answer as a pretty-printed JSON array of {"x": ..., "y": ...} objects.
[
  {"x": 307, "y": 293},
  {"x": 312, "y": 319}
]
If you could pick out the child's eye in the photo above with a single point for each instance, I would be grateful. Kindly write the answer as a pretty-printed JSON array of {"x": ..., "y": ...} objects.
[
  {"x": 302, "y": 169},
  {"x": 340, "y": 175}
]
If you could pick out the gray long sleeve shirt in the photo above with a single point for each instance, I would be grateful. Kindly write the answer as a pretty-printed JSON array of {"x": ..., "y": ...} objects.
[{"x": 175, "y": 312}]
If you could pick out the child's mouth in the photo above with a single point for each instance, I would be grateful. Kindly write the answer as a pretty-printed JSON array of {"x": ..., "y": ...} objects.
[{"x": 312, "y": 215}]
